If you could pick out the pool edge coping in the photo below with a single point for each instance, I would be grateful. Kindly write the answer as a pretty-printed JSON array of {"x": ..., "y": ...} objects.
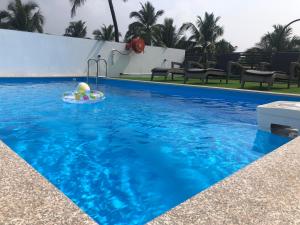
[
  {"x": 204, "y": 87},
  {"x": 27, "y": 197},
  {"x": 248, "y": 196}
]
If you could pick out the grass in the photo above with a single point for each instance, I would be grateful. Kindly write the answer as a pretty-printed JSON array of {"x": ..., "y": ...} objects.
[{"x": 277, "y": 88}]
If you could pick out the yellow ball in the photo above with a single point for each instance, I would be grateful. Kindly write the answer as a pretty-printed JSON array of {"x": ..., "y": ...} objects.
[{"x": 83, "y": 88}]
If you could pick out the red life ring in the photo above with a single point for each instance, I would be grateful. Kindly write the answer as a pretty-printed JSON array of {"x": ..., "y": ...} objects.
[{"x": 137, "y": 44}]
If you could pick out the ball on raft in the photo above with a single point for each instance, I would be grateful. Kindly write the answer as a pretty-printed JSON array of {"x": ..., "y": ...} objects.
[{"x": 83, "y": 88}]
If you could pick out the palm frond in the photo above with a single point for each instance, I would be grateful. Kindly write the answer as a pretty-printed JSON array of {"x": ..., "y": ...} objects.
[
  {"x": 37, "y": 22},
  {"x": 75, "y": 5},
  {"x": 145, "y": 25},
  {"x": 19, "y": 16}
]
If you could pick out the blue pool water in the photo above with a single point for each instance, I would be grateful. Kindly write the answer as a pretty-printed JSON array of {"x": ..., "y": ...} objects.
[{"x": 142, "y": 151}]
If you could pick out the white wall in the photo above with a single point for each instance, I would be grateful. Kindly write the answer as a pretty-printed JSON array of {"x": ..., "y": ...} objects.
[{"x": 32, "y": 54}]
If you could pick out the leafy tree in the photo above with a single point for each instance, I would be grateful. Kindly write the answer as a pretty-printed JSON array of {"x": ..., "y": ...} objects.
[
  {"x": 253, "y": 56},
  {"x": 76, "y": 29},
  {"x": 279, "y": 40},
  {"x": 105, "y": 33},
  {"x": 145, "y": 25},
  {"x": 168, "y": 36},
  {"x": 224, "y": 46},
  {"x": 77, "y": 3},
  {"x": 206, "y": 31},
  {"x": 24, "y": 17},
  {"x": 3, "y": 22}
]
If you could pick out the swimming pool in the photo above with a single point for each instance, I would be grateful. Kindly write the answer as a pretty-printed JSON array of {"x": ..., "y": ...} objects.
[{"x": 142, "y": 151}]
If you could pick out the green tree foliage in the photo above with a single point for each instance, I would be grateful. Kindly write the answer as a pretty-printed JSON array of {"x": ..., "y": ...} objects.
[
  {"x": 168, "y": 36},
  {"x": 279, "y": 40},
  {"x": 22, "y": 16},
  {"x": 78, "y": 3},
  {"x": 206, "y": 31},
  {"x": 224, "y": 46},
  {"x": 105, "y": 33},
  {"x": 76, "y": 29},
  {"x": 145, "y": 25}
]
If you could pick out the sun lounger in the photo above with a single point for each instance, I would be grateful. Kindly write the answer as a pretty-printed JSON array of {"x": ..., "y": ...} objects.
[
  {"x": 196, "y": 73},
  {"x": 220, "y": 70},
  {"x": 176, "y": 69},
  {"x": 160, "y": 72},
  {"x": 284, "y": 67}
]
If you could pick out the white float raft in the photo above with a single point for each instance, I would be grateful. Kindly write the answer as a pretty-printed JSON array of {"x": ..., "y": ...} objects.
[
  {"x": 83, "y": 95},
  {"x": 92, "y": 97}
]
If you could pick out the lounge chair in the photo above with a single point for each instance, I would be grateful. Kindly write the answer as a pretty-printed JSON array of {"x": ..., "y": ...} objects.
[
  {"x": 195, "y": 73},
  {"x": 194, "y": 70},
  {"x": 192, "y": 59},
  {"x": 284, "y": 67},
  {"x": 223, "y": 67},
  {"x": 176, "y": 69},
  {"x": 220, "y": 70},
  {"x": 159, "y": 71}
]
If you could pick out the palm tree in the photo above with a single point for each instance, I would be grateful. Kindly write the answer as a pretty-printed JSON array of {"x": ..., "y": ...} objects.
[
  {"x": 279, "y": 40},
  {"x": 77, "y": 3},
  {"x": 76, "y": 29},
  {"x": 168, "y": 36},
  {"x": 206, "y": 31},
  {"x": 105, "y": 33},
  {"x": 224, "y": 46},
  {"x": 24, "y": 17},
  {"x": 145, "y": 25}
]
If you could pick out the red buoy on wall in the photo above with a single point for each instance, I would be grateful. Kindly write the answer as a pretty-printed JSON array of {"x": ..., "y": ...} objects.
[{"x": 136, "y": 44}]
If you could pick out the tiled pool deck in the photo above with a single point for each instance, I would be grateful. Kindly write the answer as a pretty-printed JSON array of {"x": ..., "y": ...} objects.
[{"x": 265, "y": 192}]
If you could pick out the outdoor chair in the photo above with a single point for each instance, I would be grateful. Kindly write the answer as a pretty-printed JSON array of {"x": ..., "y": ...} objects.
[
  {"x": 284, "y": 67},
  {"x": 194, "y": 70},
  {"x": 159, "y": 71},
  {"x": 176, "y": 69},
  {"x": 189, "y": 62},
  {"x": 221, "y": 69}
]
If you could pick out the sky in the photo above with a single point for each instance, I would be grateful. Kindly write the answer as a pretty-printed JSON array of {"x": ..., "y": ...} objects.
[{"x": 244, "y": 21}]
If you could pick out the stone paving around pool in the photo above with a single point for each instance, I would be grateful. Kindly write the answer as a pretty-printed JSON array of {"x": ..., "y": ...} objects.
[
  {"x": 267, "y": 192},
  {"x": 28, "y": 198}
]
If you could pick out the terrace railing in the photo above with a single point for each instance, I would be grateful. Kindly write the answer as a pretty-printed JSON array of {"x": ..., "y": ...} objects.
[{"x": 249, "y": 60}]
